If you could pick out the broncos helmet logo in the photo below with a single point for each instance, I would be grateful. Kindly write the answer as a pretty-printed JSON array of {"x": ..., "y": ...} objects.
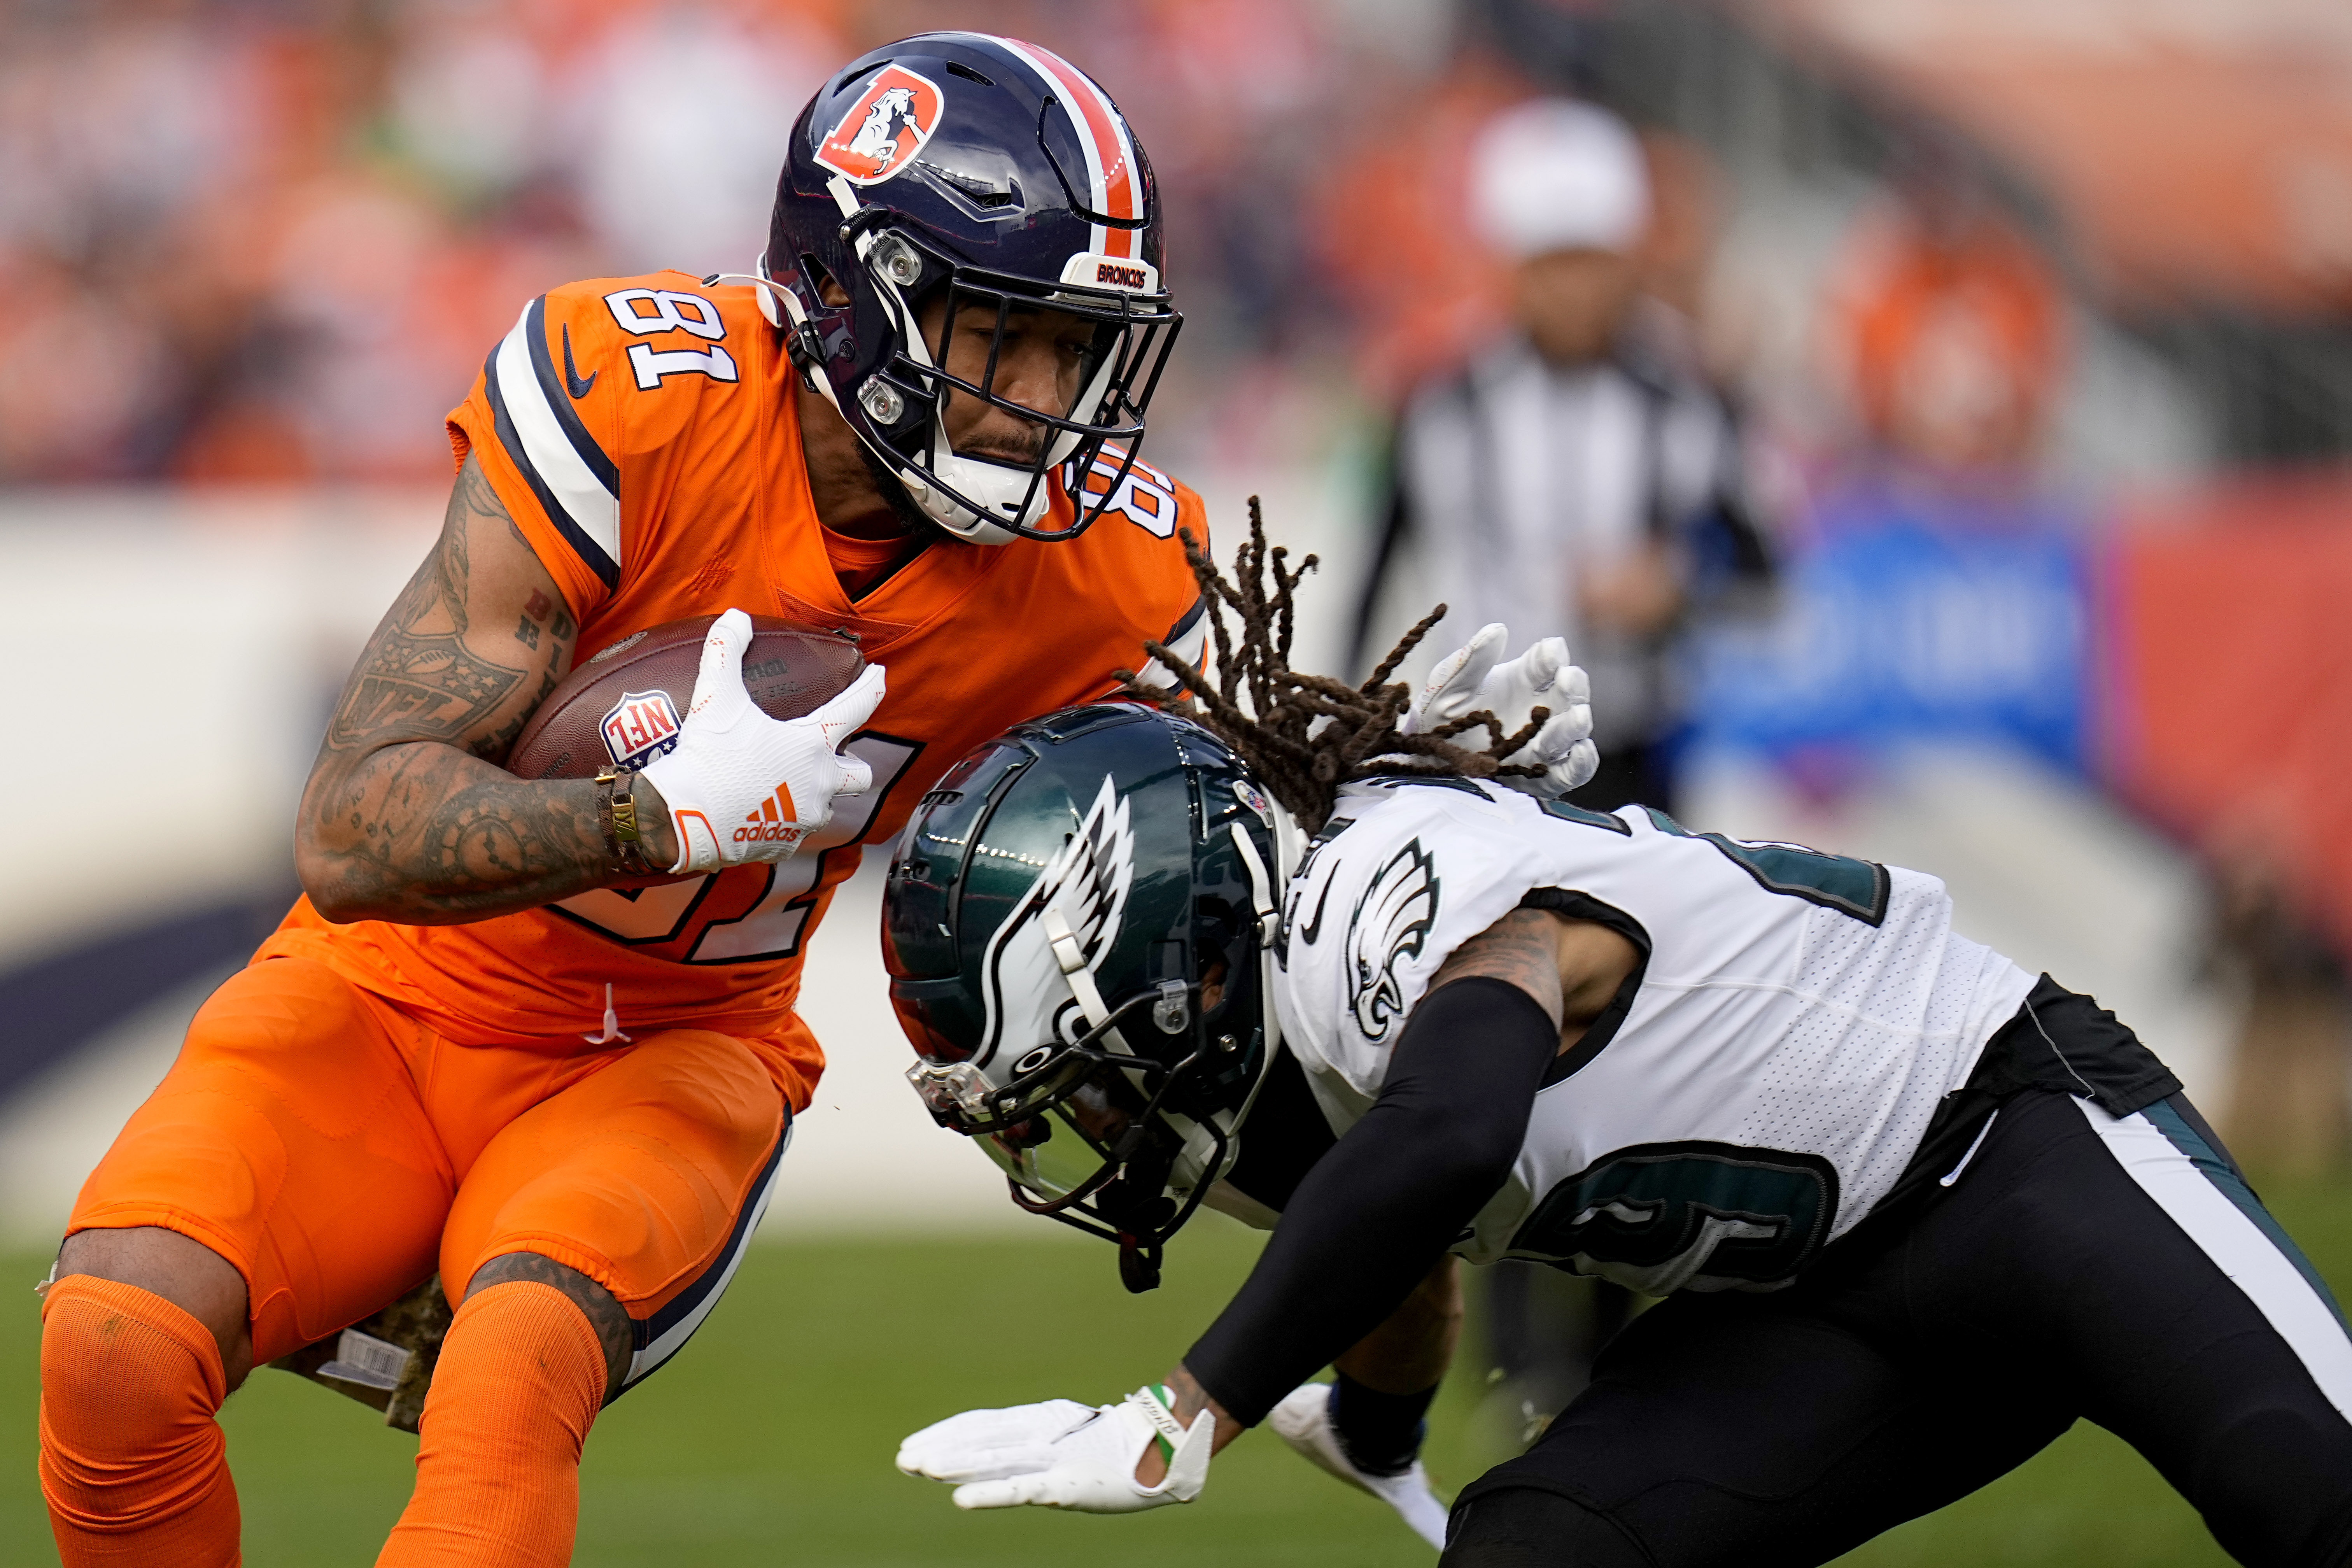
[
  {"x": 1391, "y": 923},
  {"x": 880, "y": 133},
  {"x": 877, "y": 138},
  {"x": 1088, "y": 883}
]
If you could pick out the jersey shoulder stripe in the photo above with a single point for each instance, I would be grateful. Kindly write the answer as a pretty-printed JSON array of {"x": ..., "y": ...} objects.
[
  {"x": 577, "y": 484},
  {"x": 1188, "y": 639},
  {"x": 1604, "y": 819},
  {"x": 1861, "y": 889},
  {"x": 1114, "y": 186},
  {"x": 560, "y": 396},
  {"x": 1189, "y": 636}
]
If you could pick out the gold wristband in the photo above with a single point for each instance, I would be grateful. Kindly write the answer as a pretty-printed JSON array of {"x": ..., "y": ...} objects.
[
  {"x": 617, "y": 814},
  {"x": 624, "y": 811}
]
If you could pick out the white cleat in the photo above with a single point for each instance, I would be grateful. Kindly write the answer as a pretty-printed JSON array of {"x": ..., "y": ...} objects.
[{"x": 1304, "y": 1419}]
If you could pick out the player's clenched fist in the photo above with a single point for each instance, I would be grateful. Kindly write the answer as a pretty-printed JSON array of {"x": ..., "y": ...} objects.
[{"x": 742, "y": 786}]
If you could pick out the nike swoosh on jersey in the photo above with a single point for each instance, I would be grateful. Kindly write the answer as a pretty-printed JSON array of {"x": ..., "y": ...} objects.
[
  {"x": 578, "y": 388},
  {"x": 1314, "y": 927}
]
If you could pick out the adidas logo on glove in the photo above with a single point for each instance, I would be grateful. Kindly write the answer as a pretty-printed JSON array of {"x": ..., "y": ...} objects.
[
  {"x": 776, "y": 777},
  {"x": 771, "y": 825}
]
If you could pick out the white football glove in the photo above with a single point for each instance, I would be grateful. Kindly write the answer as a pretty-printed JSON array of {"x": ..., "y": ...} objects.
[
  {"x": 742, "y": 786},
  {"x": 1304, "y": 1419},
  {"x": 1062, "y": 1454},
  {"x": 1476, "y": 676}
]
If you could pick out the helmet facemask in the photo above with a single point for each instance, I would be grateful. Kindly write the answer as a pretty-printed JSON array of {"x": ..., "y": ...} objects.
[
  {"x": 1121, "y": 1142},
  {"x": 1099, "y": 1137},
  {"x": 900, "y": 409}
]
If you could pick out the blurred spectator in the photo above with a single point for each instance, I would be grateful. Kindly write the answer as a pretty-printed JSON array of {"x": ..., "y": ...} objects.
[
  {"x": 1941, "y": 591},
  {"x": 80, "y": 375},
  {"x": 1579, "y": 477},
  {"x": 1947, "y": 327},
  {"x": 2289, "y": 1109},
  {"x": 684, "y": 113},
  {"x": 473, "y": 100},
  {"x": 1421, "y": 289}
]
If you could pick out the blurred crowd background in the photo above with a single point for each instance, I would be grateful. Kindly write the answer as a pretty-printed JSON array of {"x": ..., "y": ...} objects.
[
  {"x": 1984, "y": 504},
  {"x": 2031, "y": 324}
]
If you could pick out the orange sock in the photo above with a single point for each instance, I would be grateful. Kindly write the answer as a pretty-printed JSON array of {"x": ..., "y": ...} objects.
[
  {"x": 133, "y": 1466},
  {"x": 497, "y": 1475}
]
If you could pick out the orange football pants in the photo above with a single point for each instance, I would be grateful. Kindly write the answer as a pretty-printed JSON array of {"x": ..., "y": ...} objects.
[{"x": 336, "y": 1151}]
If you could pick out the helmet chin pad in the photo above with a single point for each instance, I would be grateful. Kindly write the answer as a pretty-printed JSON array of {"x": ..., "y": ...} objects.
[
  {"x": 994, "y": 486},
  {"x": 999, "y": 493}
]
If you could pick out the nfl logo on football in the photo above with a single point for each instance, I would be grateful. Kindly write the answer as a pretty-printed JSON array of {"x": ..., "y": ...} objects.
[{"x": 642, "y": 725}]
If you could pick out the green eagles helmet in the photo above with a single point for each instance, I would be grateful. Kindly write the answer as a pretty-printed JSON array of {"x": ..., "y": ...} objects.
[{"x": 1079, "y": 929}]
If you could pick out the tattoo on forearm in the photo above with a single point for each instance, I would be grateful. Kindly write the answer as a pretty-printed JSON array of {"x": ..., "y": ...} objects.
[
  {"x": 1522, "y": 949},
  {"x": 406, "y": 818},
  {"x": 433, "y": 835},
  {"x": 1186, "y": 1398}
]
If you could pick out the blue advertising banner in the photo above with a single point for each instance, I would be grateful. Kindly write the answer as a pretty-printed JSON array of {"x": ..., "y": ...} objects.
[{"x": 1911, "y": 618}]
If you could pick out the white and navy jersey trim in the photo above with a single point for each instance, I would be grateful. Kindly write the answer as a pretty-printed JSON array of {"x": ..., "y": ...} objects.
[
  {"x": 1114, "y": 181},
  {"x": 662, "y": 1335},
  {"x": 2204, "y": 1196},
  {"x": 1188, "y": 639},
  {"x": 578, "y": 486}
]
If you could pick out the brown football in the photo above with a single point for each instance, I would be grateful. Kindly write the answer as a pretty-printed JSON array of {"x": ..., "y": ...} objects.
[{"x": 624, "y": 703}]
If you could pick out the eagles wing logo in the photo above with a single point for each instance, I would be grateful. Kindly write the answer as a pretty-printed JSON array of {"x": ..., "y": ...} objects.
[
  {"x": 1088, "y": 883},
  {"x": 882, "y": 131},
  {"x": 1392, "y": 921}
]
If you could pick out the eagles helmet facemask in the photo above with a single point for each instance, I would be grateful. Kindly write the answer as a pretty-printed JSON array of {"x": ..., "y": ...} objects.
[
  {"x": 994, "y": 170},
  {"x": 1079, "y": 928}
]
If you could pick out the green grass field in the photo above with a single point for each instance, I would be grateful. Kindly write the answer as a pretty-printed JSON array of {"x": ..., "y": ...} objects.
[{"x": 769, "y": 1440}]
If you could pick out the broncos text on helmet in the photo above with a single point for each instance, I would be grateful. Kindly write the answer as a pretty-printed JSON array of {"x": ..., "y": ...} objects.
[
  {"x": 997, "y": 172},
  {"x": 1079, "y": 928}
]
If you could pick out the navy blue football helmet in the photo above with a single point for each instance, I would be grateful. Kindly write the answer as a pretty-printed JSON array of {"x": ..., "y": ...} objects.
[{"x": 995, "y": 170}]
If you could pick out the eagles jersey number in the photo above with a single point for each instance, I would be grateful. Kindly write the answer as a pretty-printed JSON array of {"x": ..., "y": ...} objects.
[
  {"x": 1840, "y": 882},
  {"x": 1657, "y": 1216}
]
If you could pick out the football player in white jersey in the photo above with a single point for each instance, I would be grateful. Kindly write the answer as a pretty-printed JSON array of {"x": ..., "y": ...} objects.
[{"x": 1915, "y": 1211}]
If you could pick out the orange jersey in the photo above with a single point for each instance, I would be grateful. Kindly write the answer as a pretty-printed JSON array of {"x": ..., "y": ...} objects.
[{"x": 643, "y": 434}]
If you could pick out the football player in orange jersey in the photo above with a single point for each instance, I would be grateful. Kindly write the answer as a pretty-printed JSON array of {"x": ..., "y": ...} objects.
[{"x": 485, "y": 1042}]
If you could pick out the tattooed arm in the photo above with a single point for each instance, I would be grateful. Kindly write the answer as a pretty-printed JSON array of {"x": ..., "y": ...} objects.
[
  {"x": 1572, "y": 967},
  {"x": 407, "y": 816}
]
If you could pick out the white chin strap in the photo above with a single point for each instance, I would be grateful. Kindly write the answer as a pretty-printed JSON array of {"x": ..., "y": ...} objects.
[
  {"x": 1072, "y": 962},
  {"x": 998, "y": 490}
]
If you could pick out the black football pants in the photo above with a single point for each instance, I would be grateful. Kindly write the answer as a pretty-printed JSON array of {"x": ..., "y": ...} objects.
[{"x": 2086, "y": 1266}]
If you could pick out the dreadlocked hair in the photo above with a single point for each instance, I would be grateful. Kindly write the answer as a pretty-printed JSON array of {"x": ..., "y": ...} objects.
[{"x": 1303, "y": 736}]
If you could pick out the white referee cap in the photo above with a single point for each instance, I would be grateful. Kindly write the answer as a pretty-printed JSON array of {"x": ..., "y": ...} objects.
[{"x": 1555, "y": 174}]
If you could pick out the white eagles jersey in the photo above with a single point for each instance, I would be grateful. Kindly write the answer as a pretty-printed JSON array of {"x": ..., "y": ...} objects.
[{"x": 1796, "y": 1019}]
